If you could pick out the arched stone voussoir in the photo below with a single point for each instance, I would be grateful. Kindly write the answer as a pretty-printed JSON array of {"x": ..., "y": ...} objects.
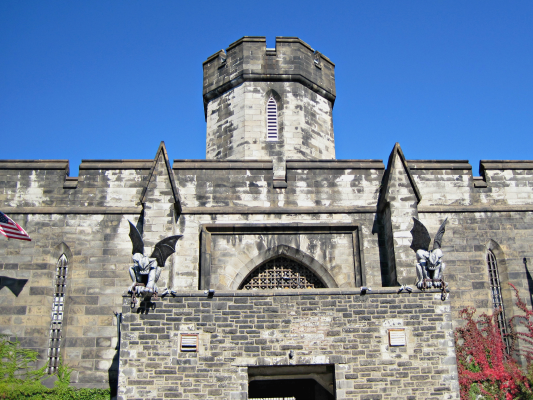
[
  {"x": 59, "y": 250},
  {"x": 287, "y": 251}
]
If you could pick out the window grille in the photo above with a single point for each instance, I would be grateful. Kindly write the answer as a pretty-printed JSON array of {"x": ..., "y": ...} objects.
[
  {"x": 496, "y": 292},
  {"x": 189, "y": 342},
  {"x": 272, "y": 119},
  {"x": 272, "y": 398},
  {"x": 282, "y": 273},
  {"x": 57, "y": 314}
]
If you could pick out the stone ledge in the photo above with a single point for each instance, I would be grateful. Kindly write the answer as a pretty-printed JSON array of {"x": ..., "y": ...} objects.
[
  {"x": 439, "y": 164},
  {"x": 250, "y": 76},
  {"x": 70, "y": 182},
  {"x": 335, "y": 164},
  {"x": 116, "y": 164},
  {"x": 505, "y": 164},
  {"x": 73, "y": 210},
  {"x": 479, "y": 182},
  {"x": 34, "y": 164},
  {"x": 222, "y": 164},
  {"x": 279, "y": 210},
  {"x": 279, "y": 228},
  {"x": 247, "y": 39},
  {"x": 296, "y": 292},
  {"x": 475, "y": 208}
]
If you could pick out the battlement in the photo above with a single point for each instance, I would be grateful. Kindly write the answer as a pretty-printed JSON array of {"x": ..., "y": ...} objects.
[{"x": 248, "y": 59}]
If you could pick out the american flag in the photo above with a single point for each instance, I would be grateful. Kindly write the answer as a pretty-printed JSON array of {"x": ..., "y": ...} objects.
[{"x": 11, "y": 229}]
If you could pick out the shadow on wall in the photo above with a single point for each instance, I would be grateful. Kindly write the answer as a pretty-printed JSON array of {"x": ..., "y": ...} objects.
[
  {"x": 529, "y": 281},
  {"x": 113, "y": 374},
  {"x": 13, "y": 284}
]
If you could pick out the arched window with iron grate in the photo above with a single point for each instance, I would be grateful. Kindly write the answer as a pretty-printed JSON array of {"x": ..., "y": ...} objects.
[
  {"x": 58, "y": 307},
  {"x": 282, "y": 273},
  {"x": 496, "y": 293}
]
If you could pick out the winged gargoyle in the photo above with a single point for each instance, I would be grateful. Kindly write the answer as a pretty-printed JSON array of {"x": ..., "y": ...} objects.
[
  {"x": 429, "y": 266},
  {"x": 145, "y": 271}
]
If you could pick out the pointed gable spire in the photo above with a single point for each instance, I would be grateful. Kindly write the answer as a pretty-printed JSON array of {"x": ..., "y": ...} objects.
[
  {"x": 389, "y": 172},
  {"x": 162, "y": 150}
]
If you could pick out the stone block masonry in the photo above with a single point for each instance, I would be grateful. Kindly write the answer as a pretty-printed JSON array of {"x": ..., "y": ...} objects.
[{"x": 241, "y": 329}]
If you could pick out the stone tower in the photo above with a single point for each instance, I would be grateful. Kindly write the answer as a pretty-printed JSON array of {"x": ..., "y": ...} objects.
[{"x": 269, "y": 103}]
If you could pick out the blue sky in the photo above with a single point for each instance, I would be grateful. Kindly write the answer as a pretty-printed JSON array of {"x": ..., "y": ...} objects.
[{"x": 111, "y": 79}]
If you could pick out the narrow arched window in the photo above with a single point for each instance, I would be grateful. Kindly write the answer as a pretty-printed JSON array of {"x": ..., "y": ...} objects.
[
  {"x": 58, "y": 306},
  {"x": 272, "y": 119},
  {"x": 496, "y": 292},
  {"x": 282, "y": 273}
]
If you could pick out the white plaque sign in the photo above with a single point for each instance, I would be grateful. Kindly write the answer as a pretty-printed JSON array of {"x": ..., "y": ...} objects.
[{"x": 397, "y": 337}]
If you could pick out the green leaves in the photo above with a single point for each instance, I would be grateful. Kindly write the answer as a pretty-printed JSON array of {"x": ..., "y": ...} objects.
[
  {"x": 15, "y": 360},
  {"x": 37, "y": 391},
  {"x": 20, "y": 381}
]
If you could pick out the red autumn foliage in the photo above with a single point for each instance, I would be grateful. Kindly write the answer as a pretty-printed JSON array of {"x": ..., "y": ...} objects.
[
  {"x": 484, "y": 366},
  {"x": 524, "y": 335},
  {"x": 482, "y": 360}
]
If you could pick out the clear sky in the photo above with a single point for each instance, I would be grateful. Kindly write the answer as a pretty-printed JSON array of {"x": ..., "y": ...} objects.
[{"x": 111, "y": 79}]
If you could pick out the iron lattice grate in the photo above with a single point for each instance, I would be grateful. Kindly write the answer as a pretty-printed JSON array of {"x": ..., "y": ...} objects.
[
  {"x": 282, "y": 273},
  {"x": 497, "y": 300}
]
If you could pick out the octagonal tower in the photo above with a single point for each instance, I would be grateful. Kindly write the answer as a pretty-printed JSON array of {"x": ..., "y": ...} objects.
[{"x": 269, "y": 103}]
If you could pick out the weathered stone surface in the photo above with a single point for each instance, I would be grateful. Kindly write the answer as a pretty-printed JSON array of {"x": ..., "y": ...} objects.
[
  {"x": 295, "y": 334},
  {"x": 237, "y": 87},
  {"x": 347, "y": 220}
]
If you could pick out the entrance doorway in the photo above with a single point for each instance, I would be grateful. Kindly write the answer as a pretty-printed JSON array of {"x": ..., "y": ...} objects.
[{"x": 294, "y": 382}]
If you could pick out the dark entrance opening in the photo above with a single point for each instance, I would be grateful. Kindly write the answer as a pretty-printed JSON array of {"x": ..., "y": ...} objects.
[{"x": 298, "y": 382}]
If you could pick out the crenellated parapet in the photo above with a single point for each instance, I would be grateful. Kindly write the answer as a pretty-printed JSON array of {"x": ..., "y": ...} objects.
[{"x": 248, "y": 59}]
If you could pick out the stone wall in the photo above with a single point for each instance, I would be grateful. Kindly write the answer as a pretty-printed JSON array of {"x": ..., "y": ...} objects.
[
  {"x": 321, "y": 195},
  {"x": 241, "y": 329},
  {"x": 493, "y": 212},
  {"x": 86, "y": 219},
  {"x": 249, "y": 59},
  {"x": 468, "y": 238}
]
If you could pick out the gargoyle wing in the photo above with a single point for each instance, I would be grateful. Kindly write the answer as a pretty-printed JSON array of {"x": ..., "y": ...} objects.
[
  {"x": 136, "y": 240},
  {"x": 164, "y": 249},
  {"x": 420, "y": 234},
  {"x": 438, "y": 237}
]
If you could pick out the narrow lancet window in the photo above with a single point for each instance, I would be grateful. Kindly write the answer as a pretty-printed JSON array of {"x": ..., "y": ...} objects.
[
  {"x": 57, "y": 314},
  {"x": 496, "y": 292},
  {"x": 272, "y": 119}
]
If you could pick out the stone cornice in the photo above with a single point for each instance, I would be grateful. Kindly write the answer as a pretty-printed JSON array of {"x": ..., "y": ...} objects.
[
  {"x": 222, "y": 164},
  {"x": 116, "y": 164},
  {"x": 34, "y": 164},
  {"x": 475, "y": 208},
  {"x": 72, "y": 210},
  {"x": 299, "y": 292},
  {"x": 250, "y": 76},
  {"x": 280, "y": 210},
  {"x": 335, "y": 164}
]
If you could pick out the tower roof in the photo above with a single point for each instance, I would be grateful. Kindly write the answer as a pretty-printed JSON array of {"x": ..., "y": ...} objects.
[{"x": 248, "y": 59}]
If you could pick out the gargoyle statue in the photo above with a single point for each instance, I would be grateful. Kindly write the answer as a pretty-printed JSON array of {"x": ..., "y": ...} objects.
[
  {"x": 429, "y": 266},
  {"x": 145, "y": 271}
]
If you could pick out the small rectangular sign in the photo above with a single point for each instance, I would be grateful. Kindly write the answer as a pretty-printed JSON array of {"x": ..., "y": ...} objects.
[
  {"x": 189, "y": 342},
  {"x": 397, "y": 337}
]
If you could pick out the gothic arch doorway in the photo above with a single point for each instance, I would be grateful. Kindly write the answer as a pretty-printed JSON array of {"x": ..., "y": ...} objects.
[
  {"x": 281, "y": 273},
  {"x": 285, "y": 251}
]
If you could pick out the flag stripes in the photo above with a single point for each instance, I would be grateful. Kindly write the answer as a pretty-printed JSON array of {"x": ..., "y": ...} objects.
[{"x": 11, "y": 229}]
